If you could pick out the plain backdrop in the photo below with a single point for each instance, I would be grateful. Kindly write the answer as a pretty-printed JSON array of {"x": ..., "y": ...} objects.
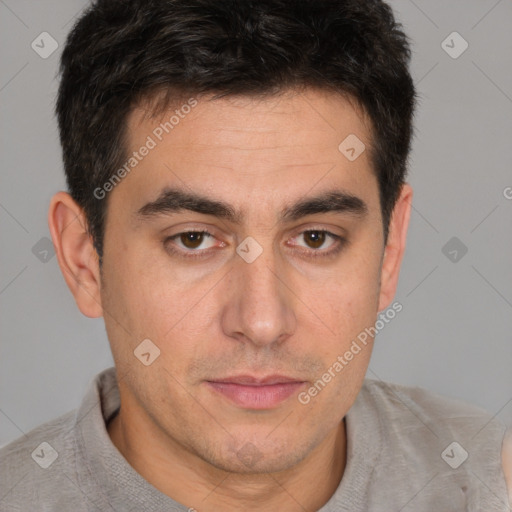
[{"x": 454, "y": 334}]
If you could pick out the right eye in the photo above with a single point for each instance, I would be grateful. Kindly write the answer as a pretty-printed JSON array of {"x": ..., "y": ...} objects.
[{"x": 190, "y": 242}]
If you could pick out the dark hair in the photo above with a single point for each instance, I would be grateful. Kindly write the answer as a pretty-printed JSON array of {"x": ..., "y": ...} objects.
[{"x": 121, "y": 52}]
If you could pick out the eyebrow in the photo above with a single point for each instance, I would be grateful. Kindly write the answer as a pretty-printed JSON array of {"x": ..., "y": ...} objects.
[{"x": 173, "y": 200}]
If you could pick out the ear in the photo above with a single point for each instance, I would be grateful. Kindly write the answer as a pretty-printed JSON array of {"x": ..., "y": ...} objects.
[
  {"x": 77, "y": 257},
  {"x": 395, "y": 246}
]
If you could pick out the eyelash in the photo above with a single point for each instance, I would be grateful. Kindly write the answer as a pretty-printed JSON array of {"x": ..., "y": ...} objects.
[{"x": 340, "y": 243}]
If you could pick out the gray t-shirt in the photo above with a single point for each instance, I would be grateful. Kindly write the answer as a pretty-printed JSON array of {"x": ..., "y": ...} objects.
[{"x": 407, "y": 450}]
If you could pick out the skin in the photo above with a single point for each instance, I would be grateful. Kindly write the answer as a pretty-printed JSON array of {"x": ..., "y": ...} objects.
[
  {"x": 219, "y": 316},
  {"x": 506, "y": 460}
]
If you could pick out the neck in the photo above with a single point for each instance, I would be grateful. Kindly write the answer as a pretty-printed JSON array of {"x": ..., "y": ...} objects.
[{"x": 190, "y": 480}]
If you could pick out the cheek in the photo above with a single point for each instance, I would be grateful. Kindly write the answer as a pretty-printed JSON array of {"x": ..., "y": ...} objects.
[
  {"x": 349, "y": 306},
  {"x": 162, "y": 303},
  {"x": 348, "y": 297}
]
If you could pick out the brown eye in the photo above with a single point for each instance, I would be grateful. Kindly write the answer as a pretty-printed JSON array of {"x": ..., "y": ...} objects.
[
  {"x": 192, "y": 239},
  {"x": 317, "y": 243},
  {"x": 190, "y": 242},
  {"x": 315, "y": 239}
]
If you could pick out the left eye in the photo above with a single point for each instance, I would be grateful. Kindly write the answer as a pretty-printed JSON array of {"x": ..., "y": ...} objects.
[{"x": 316, "y": 238}]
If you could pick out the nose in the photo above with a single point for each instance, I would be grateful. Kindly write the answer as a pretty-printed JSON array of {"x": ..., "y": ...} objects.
[{"x": 259, "y": 306}]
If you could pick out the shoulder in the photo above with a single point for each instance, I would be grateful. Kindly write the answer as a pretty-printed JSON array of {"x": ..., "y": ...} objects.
[
  {"x": 398, "y": 399},
  {"x": 424, "y": 433},
  {"x": 54, "y": 430},
  {"x": 33, "y": 464}
]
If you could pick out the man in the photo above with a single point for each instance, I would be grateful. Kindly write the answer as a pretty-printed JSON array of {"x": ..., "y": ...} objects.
[{"x": 237, "y": 213}]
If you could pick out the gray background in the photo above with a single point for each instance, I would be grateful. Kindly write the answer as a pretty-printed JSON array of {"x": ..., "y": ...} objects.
[{"x": 454, "y": 335}]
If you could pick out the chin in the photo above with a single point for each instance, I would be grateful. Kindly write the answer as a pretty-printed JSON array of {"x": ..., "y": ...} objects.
[{"x": 249, "y": 457}]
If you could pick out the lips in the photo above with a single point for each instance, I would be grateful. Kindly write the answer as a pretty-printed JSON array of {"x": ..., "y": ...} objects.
[
  {"x": 249, "y": 392},
  {"x": 249, "y": 380}
]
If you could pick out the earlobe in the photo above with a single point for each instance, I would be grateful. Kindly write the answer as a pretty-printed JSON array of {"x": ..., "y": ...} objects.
[
  {"x": 395, "y": 246},
  {"x": 77, "y": 257}
]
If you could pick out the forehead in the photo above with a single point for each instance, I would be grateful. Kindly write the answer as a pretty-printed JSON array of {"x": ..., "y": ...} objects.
[
  {"x": 292, "y": 115},
  {"x": 248, "y": 150}
]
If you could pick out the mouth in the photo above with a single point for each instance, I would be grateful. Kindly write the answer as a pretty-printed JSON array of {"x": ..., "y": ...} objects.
[{"x": 248, "y": 392}]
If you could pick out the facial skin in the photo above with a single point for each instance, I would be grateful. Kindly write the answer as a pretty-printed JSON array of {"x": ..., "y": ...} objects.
[{"x": 217, "y": 316}]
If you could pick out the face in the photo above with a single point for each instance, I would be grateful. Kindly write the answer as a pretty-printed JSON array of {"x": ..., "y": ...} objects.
[{"x": 250, "y": 298}]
